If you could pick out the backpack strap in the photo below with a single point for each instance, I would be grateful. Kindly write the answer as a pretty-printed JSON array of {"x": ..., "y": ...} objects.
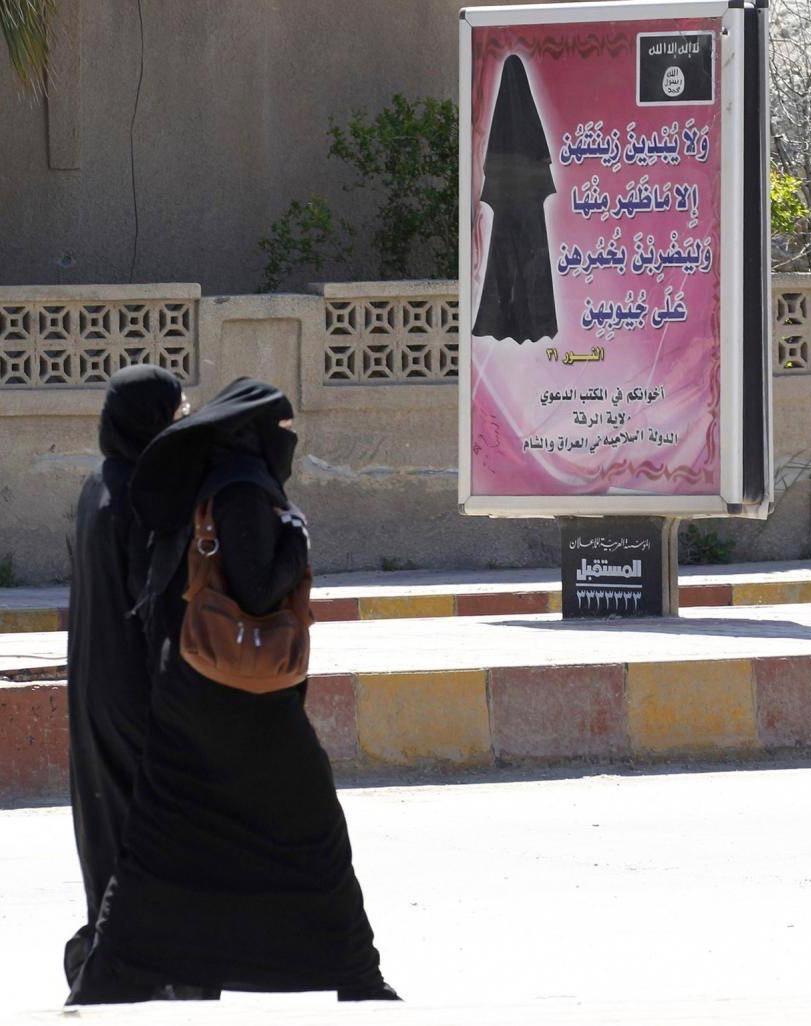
[{"x": 205, "y": 530}]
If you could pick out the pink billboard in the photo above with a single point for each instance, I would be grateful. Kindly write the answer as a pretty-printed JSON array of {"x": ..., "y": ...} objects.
[{"x": 595, "y": 271}]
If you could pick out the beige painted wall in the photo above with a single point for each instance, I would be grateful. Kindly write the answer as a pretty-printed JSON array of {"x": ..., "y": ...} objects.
[
  {"x": 376, "y": 466},
  {"x": 234, "y": 105}
]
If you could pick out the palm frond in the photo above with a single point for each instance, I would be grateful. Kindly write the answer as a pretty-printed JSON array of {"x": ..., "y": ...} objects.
[{"x": 24, "y": 24}]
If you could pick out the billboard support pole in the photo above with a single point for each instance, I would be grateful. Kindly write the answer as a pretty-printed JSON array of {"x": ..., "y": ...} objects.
[{"x": 619, "y": 566}]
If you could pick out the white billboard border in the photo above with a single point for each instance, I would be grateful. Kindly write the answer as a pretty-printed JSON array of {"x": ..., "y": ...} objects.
[{"x": 731, "y": 412}]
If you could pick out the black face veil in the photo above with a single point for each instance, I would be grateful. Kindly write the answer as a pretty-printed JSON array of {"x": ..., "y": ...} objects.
[
  {"x": 517, "y": 299},
  {"x": 243, "y": 419}
]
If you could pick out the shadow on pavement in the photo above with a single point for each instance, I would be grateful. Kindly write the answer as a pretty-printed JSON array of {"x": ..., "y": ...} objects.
[
  {"x": 348, "y": 779},
  {"x": 689, "y": 626}
]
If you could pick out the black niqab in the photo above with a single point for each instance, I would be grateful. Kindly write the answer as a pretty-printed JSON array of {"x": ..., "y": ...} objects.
[
  {"x": 265, "y": 440},
  {"x": 140, "y": 402},
  {"x": 108, "y": 680},
  {"x": 236, "y": 869},
  {"x": 517, "y": 299},
  {"x": 244, "y": 416}
]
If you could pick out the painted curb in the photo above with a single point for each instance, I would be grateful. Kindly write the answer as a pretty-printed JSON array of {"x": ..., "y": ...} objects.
[
  {"x": 33, "y": 741},
  {"x": 487, "y": 717},
  {"x": 492, "y": 603}
]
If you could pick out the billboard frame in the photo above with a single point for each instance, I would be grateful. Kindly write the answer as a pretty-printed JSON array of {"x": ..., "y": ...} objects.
[{"x": 731, "y": 499}]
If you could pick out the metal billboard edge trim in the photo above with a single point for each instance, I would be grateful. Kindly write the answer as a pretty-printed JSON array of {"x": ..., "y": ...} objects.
[
  {"x": 598, "y": 505},
  {"x": 621, "y": 10},
  {"x": 465, "y": 313},
  {"x": 732, "y": 55}
]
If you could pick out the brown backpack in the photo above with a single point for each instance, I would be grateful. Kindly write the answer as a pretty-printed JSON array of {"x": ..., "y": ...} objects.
[{"x": 252, "y": 653}]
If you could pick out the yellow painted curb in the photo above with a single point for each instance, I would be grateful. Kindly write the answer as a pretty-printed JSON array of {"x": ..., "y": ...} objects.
[
  {"x": 408, "y": 717},
  {"x": 28, "y": 621},
  {"x": 406, "y": 606},
  {"x": 771, "y": 593},
  {"x": 554, "y": 601},
  {"x": 691, "y": 706}
]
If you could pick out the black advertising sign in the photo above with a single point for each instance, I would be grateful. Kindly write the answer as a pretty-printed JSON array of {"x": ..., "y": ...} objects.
[{"x": 616, "y": 566}]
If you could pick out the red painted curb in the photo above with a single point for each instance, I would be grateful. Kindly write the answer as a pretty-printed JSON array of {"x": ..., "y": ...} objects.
[
  {"x": 502, "y": 603},
  {"x": 332, "y": 709},
  {"x": 691, "y": 595},
  {"x": 558, "y": 712},
  {"x": 33, "y": 740},
  {"x": 336, "y": 609},
  {"x": 783, "y": 691}
]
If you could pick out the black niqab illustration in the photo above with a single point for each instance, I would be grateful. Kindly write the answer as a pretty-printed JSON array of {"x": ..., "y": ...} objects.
[
  {"x": 517, "y": 298},
  {"x": 108, "y": 680}
]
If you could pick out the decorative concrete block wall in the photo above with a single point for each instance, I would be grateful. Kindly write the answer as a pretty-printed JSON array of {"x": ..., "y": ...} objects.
[{"x": 52, "y": 338}]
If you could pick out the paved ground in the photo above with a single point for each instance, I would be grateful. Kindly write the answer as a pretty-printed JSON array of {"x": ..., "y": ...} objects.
[
  {"x": 414, "y": 645},
  {"x": 666, "y": 898}
]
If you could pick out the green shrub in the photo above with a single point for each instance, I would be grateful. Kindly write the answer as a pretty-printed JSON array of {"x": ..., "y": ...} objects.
[
  {"x": 306, "y": 235},
  {"x": 392, "y": 565},
  {"x": 409, "y": 152},
  {"x": 788, "y": 205},
  {"x": 407, "y": 159},
  {"x": 8, "y": 578},
  {"x": 703, "y": 547}
]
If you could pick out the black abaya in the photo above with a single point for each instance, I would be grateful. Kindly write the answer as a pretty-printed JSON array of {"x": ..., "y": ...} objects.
[
  {"x": 236, "y": 870},
  {"x": 108, "y": 682}
]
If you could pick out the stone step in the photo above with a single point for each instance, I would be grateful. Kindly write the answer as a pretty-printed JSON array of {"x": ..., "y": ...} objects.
[
  {"x": 424, "y": 593},
  {"x": 480, "y": 691}
]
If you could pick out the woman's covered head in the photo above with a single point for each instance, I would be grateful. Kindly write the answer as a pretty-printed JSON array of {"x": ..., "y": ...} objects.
[
  {"x": 246, "y": 417},
  {"x": 269, "y": 436},
  {"x": 141, "y": 401}
]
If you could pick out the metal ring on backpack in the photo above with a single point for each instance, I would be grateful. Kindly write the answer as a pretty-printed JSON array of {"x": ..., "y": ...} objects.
[{"x": 207, "y": 553}]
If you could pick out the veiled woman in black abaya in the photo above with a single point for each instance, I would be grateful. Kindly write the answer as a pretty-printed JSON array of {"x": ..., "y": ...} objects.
[
  {"x": 236, "y": 870},
  {"x": 108, "y": 681}
]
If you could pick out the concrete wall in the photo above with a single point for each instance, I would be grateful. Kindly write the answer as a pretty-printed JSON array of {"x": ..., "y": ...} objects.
[
  {"x": 376, "y": 470},
  {"x": 370, "y": 368},
  {"x": 230, "y": 126}
]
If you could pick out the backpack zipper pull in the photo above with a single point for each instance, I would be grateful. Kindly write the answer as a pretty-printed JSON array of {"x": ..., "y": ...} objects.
[{"x": 240, "y": 632}]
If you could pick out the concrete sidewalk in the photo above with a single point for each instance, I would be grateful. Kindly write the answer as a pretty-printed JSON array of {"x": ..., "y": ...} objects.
[
  {"x": 438, "y": 645},
  {"x": 640, "y": 900},
  {"x": 424, "y": 593}
]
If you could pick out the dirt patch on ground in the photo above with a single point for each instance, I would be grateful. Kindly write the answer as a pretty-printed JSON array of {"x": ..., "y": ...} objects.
[{"x": 51, "y": 674}]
